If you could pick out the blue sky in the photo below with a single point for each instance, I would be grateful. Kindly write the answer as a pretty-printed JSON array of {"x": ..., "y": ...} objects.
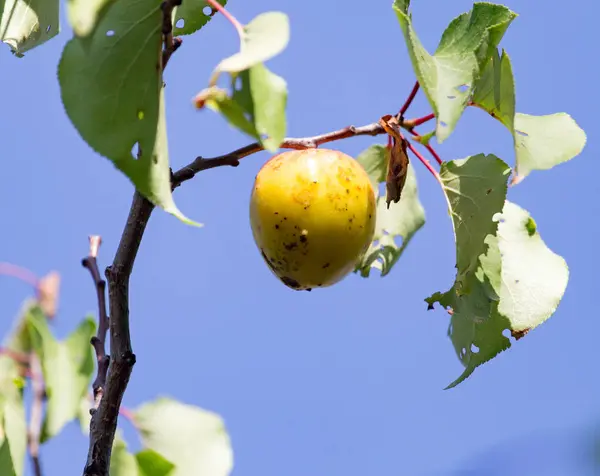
[{"x": 336, "y": 381}]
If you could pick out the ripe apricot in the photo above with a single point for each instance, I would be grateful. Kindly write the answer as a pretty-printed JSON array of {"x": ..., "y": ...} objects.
[{"x": 312, "y": 214}]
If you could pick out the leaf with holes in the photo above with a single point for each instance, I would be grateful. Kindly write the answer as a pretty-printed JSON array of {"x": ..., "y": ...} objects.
[
  {"x": 447, "y": 77},
  {"x": 401, "y": 220},
  {"x": 194, "y": 440},
  {"x": 84, "y": 15},
  {"x": 264, "y": 37},
  {"x": 541, "y": 142},
  {"x": 26, "y": 24},
  {"x": 111, "y": 87},
  {"x": 257, "y": 107},
  {"x": 13, "y": 431},
  {"x": 192, "y": 15},
  {"x": 518, "y": 284},
  {"x": 67, "y": 368}
]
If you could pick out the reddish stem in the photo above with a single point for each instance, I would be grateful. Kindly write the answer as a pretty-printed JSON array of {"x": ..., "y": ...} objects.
[
  {"x": 8, "y": 269},
  {"x": 237, "y": 25},
  {"x": 409, "y": 99},
  {"x": 429, "y": 148},
  {"x": 423, "y": 160},
  {"x": 421, "y": 120}
]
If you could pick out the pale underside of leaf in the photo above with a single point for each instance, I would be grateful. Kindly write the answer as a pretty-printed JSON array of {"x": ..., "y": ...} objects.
[
  {"x": 26, "y": 24},
  {"x": 447, "y": 77},
  {"x": 111, "y": 88},
  {"x": 84, "y": 15},
  {"x": 194, "y": 440},
  {"x": 13, "y": 432},
  {"x": 541, "y": 142},
  {"x": 518, "y": 285},
  {"x": 264, "y": 37}
]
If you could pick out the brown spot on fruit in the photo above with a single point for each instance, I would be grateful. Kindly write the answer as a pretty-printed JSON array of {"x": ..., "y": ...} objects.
[{"x": 318, "y": 192}]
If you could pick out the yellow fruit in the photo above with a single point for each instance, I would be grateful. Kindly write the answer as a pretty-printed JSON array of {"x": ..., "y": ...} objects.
[{"x": 312, "y": 214}]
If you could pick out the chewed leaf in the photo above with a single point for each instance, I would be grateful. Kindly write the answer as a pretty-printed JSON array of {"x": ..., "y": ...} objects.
[
  {"x": 400, "y": 222},
  {"x": 265, "y": 36},
  {"x": 448, "y": 76},
  {"x": 518, "y": 285},
  {"x": 192, "y": 15},
  {"x": 84, "y": 15},
  {"x": 111, "y": 88},
  {"x": 476, "y": 189},
  {"x": 541, "y": 142},
  {"x": 26, "y": 24}
]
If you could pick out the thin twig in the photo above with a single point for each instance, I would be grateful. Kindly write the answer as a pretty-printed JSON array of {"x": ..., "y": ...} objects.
[
  {"x": 408, "y": 101},
  {"x": 232, "y": 158},
  {"x": 170, "y": 43},
  {"x": 35, "y": 421},
  {"x": 430, "y": 149},
  {"x": 15, "y": 271},
  {"x": 99, "y": 340}
]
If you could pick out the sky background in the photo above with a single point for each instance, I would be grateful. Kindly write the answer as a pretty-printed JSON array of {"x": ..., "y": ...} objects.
[{"x": 343, "y": 381}]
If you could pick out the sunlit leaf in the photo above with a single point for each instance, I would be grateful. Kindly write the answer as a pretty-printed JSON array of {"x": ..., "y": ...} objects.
[
  {"x": 67, "y": 368},
  {"x": 256, "y": 106},
  {"x": 192, "y": 15},
  {"x": 26, "y": 24},
  {"x": 518, "y": 284},
  {"x": 400, "y": 222},
  {"x": 84, "y": 15},
  {"x": 194, "y": 440},
  {"x": 111, "y": 87},
  {"x": 541, "y": 142},
  {"x": 447, "y": 77},
  {"x": 13, "y": 432},
  {"x": 264, "y": 37}
]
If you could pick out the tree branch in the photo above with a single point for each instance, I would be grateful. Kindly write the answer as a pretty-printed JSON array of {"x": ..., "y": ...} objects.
[
  {"x": 170, "y": 43},
  {"x": 122, "y": 359},
  {"x": 37, "y": 407},
  {"x": 99, "y": 340},
  {"x": 232, "y": 158}
]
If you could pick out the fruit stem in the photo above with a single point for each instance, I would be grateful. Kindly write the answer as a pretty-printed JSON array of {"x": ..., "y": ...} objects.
[
  {"x": 409, "y": 100},
  {"x": 8, "y": 269},
  {"x": 218, "y": 7}
]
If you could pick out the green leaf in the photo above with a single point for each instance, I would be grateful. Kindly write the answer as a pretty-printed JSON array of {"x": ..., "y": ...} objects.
[
  {"x": 541, "y": 142},
  {"x": 374, "y": 161},
  {"x": 191, "y": 13},
  {"x": 402, "y": 219},
  {"x": 111, "y": 88},
  {"x": 84, "y": 15},
  {"x": 494, "y": 92},
  {"x": 518, "y": 285},
  {"x": 476, "y": 189},
  {"x": 447, "y": 77},
  {"x": 194, "y": 440},
  {"x": 150, "y": 463},
  {"x": 256, "y": 107},
  {"x": 13, "y": 432},
  {"x": 122, "y": 462},
  {"x": 264, "y": 37},
  {"x": 83, "y": 414},
  {"x": 67, "y": 367},
  {"x": 26, "y": 24}
]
